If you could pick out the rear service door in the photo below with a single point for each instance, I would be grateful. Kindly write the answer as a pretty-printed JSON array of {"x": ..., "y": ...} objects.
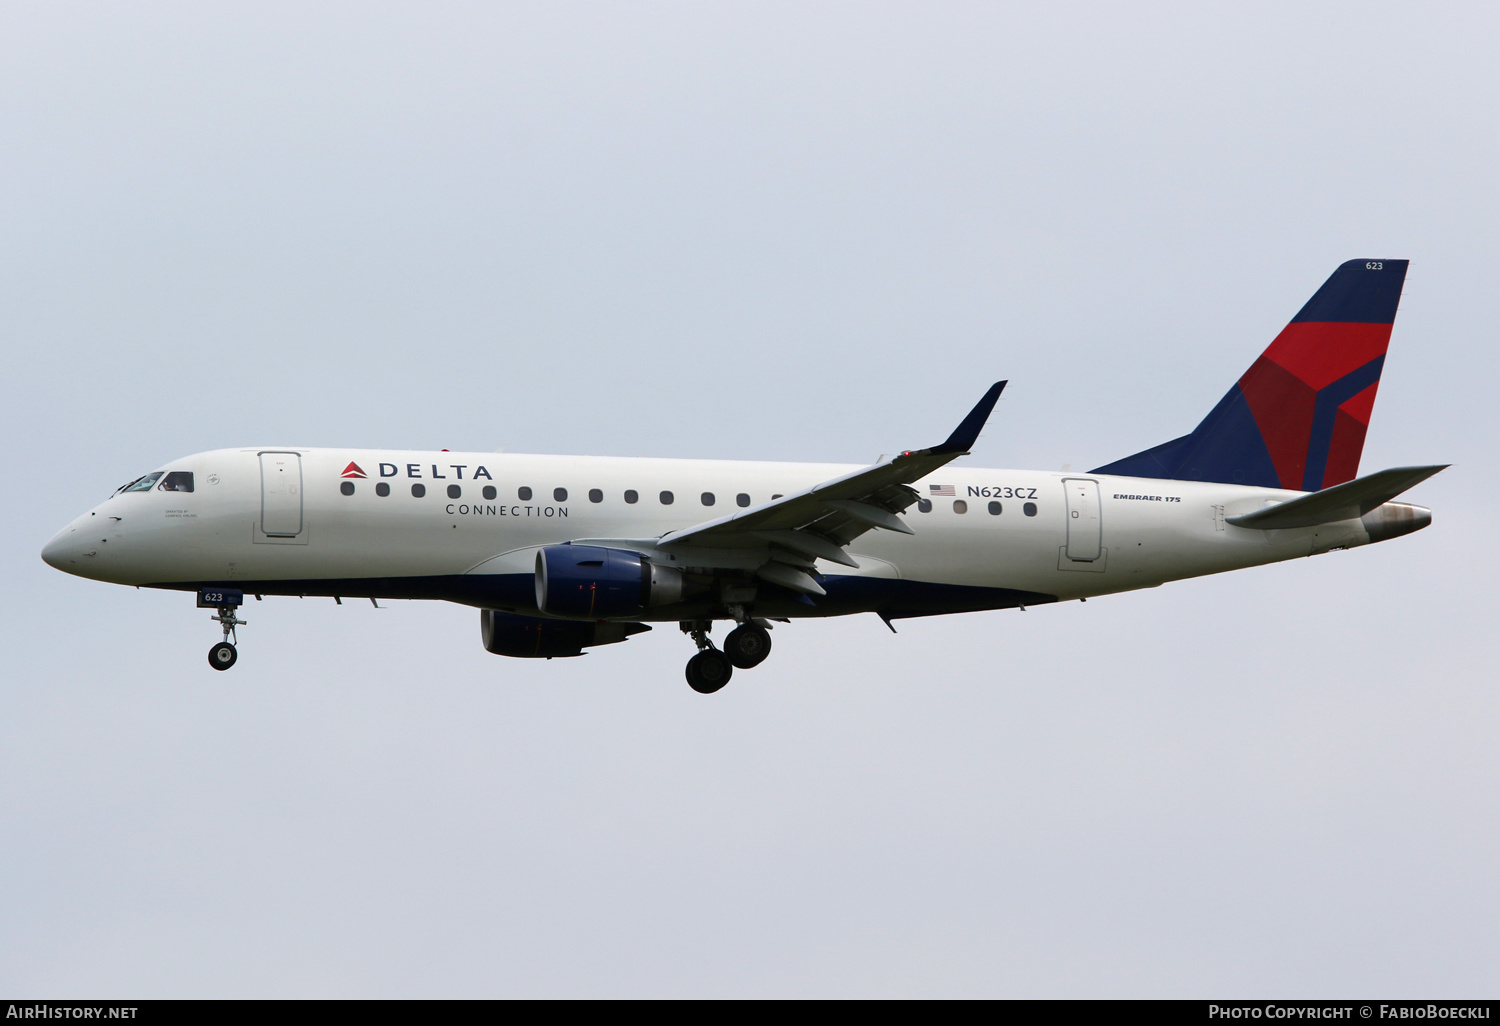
[
  {"x": 281, "y": 494},
  {"x": 1083, "y": 519}
]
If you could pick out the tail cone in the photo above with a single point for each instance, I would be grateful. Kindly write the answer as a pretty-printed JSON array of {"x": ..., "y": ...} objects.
[{"x": 1393, "y": 519}]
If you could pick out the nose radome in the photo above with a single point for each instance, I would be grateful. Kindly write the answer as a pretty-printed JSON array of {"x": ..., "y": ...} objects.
[
  {"x": 67, "y": 551},
  {"x": 59, "y": 552}
]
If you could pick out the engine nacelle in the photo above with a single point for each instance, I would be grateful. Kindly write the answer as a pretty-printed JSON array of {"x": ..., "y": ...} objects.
[
  {"x": 530, "y": 637},
  {"x": 594, "y": 582}
]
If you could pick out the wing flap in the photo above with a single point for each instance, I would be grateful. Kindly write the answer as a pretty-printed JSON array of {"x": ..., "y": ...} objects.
[
  {"x": 870, "y": 514},
  {"x": 791, "y": 577},
  {"x": 807, "y": 544}
]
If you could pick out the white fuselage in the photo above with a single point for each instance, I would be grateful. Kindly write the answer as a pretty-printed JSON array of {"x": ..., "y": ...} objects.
[{"x": 302, "y": 534}]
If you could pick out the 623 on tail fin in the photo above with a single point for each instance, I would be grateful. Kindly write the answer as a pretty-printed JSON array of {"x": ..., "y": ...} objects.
[{"x": 1297, "y": 418}]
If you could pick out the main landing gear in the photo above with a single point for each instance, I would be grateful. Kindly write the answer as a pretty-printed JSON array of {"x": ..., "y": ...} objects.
[
  {"x": 745, "y": 646},
  {"x": 708, "y": 671},
  {"x": 223, "y": 655}
]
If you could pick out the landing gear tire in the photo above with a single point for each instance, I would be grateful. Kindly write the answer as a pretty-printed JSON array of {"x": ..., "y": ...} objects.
[
  {"x": 708, "y": 671},
  {"x": 222, "y": 656},
  {"x": 747, "y": 645}
]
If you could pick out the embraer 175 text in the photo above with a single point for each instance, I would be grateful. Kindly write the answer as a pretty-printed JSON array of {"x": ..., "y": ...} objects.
[{"x": 562, "y": 553}]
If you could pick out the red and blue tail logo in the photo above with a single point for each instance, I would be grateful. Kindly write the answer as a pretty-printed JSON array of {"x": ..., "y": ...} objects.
[{"x": 1297, "y": 418}]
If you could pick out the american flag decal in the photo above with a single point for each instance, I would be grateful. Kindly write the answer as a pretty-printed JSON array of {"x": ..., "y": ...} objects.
[{"x": 941, "y": 489}]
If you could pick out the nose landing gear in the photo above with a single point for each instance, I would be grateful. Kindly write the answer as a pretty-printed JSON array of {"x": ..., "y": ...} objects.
[{"x": 223, "y": 655}]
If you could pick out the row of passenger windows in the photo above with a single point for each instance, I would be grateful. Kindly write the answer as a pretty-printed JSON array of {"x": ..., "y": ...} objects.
[
  {"x": 962, "y": 506},
  {"x": 558, "y": 494},
  {"x": 182, "y": 481},
  {"x": 632, "y": 496}
]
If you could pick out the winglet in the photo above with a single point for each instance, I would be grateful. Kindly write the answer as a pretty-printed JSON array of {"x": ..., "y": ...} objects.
[{"x": 964, "y": 436}]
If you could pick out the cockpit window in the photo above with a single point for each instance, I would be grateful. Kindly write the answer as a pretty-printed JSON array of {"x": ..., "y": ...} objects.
[
  {"x": 143, "y": 484},
  {"x": 178, "y": 481}
]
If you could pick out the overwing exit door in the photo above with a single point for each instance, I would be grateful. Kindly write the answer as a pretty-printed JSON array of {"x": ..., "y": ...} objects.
[
  {"x": 281, "y": 494},
  {"x": 1084, "y": 530}
]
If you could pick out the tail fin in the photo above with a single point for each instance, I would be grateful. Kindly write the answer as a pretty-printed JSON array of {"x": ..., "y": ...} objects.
[{"x": 1297, "y": 418}]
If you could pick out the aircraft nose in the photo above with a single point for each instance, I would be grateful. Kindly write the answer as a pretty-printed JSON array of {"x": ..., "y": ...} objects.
[
  {"x": 55, "y": 552},
  {"x": 52, "y": 553},
  {"x": 64, "y": 551}
]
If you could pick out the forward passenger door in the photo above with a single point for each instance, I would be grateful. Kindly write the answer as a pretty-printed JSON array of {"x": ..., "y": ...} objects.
[{"x": 281, "y": 494}]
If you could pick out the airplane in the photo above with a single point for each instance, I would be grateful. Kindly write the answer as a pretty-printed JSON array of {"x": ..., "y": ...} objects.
[{"x": 566, "y": 553}]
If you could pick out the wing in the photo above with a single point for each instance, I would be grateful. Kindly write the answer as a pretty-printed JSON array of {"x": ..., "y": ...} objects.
[{"x": 779, "y": 541}]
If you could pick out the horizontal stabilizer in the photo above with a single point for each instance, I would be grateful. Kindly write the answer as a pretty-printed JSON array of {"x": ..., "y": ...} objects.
[{"x": 1347, "y": 501}]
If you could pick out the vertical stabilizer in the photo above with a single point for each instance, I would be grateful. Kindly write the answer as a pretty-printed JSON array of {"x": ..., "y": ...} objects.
[{"x": 1297, "y": 418}]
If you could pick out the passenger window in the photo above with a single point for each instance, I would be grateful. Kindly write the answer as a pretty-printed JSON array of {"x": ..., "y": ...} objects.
[
  {"x": 708, "y": 498},
  {"x": 418, "y": 490},
  {"x": 143, "y": 484},
  {"x": 666, "y": 498},
  {"x": 523, "y": 493},
  {"x": 382, "y": 489},
  {"x": 595, "y": 495},
  {"x": 994, "y": 509},
  {"x": 1029, "y": 509},
  {"x": 347, "y": 487},
  {"x": 454, "y": 491},
  {"x": 489, "y": 492},
  {"x": 742, "y": 499},
  {"x": 632, "y": 496},
  {"x": 559, "y": 495},
  {"x": 178, "y": 481},
  {"x": 960, "y": 506},
  {"x": 924, "y": 505}
]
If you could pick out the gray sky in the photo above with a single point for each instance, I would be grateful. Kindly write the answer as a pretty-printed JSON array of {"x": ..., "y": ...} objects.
[{"x": 765, "y": 231}]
